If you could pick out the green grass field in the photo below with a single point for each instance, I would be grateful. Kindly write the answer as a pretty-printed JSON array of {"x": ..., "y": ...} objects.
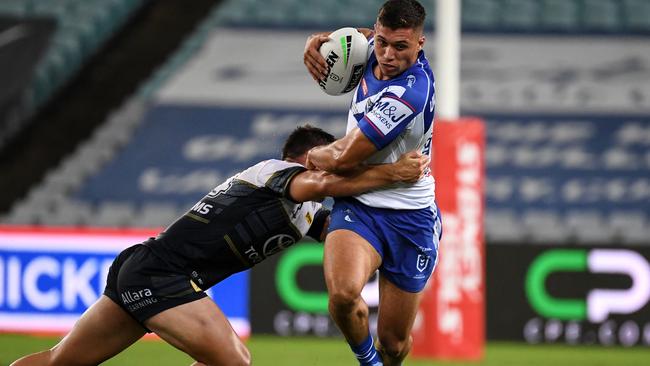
[{"x": 278, "y": 351}]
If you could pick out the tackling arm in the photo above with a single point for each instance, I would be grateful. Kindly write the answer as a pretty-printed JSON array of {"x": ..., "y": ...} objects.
[{"x": 313, "y": 185}]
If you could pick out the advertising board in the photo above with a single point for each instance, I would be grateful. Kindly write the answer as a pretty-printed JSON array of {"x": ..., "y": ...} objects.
[
  {"x": 289, "y": 297},
  {"x": 50, "y": 276},
  {"x": 568, "y": 294}
]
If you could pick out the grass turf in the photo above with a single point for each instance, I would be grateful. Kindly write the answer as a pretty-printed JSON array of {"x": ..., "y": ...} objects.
[{"x": 278, "y": 351}]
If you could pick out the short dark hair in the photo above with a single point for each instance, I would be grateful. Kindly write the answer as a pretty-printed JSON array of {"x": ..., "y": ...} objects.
[
  {"x": 396, "y": 14},
  {"x": 304, "y": 138}
]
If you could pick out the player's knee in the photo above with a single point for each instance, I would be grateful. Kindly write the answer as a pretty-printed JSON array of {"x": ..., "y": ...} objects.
[
  {"x": 243, "y": 362},
  {"x": 60, "y": 359},
  {"x": 245, "y": 356},
  {"x": 344, "y": 300},
  {"x": 57, "y": 357},
  {"x": 40, "y": 358},
  {"x": 241, "y": 359},
  {"x": 394, "y": 346}
]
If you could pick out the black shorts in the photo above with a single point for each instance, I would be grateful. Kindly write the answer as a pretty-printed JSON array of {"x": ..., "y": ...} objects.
[{"x": 144, "y": 285}]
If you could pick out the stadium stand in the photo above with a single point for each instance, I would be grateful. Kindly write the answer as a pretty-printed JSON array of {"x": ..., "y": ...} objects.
[
  {"x": 544, "y": 227},
  {"x": 520, "y": 14},
  {"x": 82, "y": 27},
  {"x": 636, "y": 15},
  {"x": 491, "y": 16},
  {"x": 533, "y": 191},
  {"x": 602, "y": 15},
  {"x": 559, "y": 15}
]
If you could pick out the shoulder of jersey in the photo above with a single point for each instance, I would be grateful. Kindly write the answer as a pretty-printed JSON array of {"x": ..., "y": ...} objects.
[{"x": 279, "y": 164}]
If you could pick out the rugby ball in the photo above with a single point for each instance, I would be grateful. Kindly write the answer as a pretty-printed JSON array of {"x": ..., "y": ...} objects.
[{"x": 346, "y": 53}]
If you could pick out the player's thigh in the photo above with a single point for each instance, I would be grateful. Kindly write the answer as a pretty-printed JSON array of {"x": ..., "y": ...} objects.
[
  {"x": 397, "y": 311},
  {"x": 103, "y": 331},
  {"x": 348, "y": 261},
  {"x": 201, "y": 330}
]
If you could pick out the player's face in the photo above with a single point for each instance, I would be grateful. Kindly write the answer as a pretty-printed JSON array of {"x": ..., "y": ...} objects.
[{"x": 396, "y": 50}]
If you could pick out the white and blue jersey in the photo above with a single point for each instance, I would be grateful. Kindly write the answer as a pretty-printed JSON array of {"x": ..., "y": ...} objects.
[
  {"x": 402, "y": 221},
  {"x": 397, "y": 116}
]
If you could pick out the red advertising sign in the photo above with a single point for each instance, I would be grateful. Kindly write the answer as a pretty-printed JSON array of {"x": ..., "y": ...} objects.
[{"x": 451, "y": 320}]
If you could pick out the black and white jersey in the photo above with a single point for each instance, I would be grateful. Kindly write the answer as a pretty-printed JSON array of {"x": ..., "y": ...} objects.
[{"x": 239, "y": 223}]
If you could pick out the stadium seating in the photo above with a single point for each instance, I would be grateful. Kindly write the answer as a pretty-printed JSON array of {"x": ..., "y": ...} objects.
[
  {"x": 630, "y": 227},
  {"x": 602, "y": 15},
  {"x": 478, "y": 15},
  {"x": 51, "y": 201},
  {"x": 544, "y": 227},
  {"x": 504, "y": 226},
  {"x": 83, "y": 26},
  {"x": 529, "y": 16},
  {"x": 636, "y": 15},
  {"x": 520, "y": 15},
  {"x": 559, "y": 15}
]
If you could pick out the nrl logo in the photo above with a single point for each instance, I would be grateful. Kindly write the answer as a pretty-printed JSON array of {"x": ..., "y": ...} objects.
[
  {"x": 423, "y": 262},
  {"x": 410, "y": 81}
]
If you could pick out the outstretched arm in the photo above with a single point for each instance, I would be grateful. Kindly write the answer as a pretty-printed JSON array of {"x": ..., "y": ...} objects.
[{"x": 313, "y": 185}]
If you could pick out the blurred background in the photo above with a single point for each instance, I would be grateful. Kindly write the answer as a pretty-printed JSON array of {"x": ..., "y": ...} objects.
[{"x": 116, "y": 116}]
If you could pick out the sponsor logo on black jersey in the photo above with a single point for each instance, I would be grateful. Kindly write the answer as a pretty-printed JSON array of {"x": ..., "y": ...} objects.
[
  {"x": 277, "y": 243},
  {"x": 132, "y": 296},
  {"x": 135, "y": 300},
  {"x": 202, "y": 208}
]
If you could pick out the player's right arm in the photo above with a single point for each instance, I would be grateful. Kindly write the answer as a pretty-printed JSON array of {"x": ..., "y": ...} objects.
[
  {"x": 313, "y": 60},
  {"x": 314, "y": 185}
]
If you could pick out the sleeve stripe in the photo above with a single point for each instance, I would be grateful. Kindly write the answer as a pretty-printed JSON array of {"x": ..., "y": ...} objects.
[
  {"x": 285, "y": 189},
  {"x": 401, "y": 100},
  {"x": 373, "y": 126}
]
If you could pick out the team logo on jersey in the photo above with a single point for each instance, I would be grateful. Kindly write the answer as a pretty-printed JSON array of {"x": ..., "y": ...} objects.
[
  {"x": 388, "y": 112},
  {"x": 276, "y": 243},
  {"x": 422, "y": 263},
  {"x": 410, "y": 81},
  {"x": 220, "y": 189}
]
